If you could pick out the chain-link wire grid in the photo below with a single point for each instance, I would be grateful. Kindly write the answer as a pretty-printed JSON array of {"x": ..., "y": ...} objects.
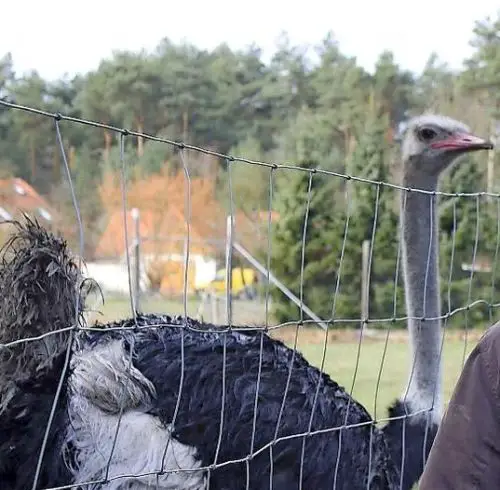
[{"x": 135, "y": 326}]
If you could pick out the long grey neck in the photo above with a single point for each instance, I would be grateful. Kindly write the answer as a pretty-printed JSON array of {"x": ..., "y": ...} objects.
[{"x": 420, "y": 249}]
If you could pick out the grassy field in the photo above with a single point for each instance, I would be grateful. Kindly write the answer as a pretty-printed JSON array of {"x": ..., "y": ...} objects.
[
  {"x": 341, "y": 353},
  {"x": 340, "y": 364}
]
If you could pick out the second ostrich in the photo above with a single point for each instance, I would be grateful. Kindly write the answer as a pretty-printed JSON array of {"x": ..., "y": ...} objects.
[{"x": 222, "y": 409}]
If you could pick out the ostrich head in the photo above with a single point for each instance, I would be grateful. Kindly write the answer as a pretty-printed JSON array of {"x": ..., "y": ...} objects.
[
  {"x": 39, "y": 285},
  {"x": 432, "y": 143}
]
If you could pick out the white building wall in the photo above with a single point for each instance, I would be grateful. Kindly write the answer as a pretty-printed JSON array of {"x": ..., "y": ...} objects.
[{"x": 113, "y": 276}]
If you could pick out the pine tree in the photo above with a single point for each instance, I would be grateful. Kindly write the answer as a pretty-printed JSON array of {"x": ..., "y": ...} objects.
[
  {"x": 462, "y": 219},
  {"x": 291, "y": 201},
  {"x": 333, "y": 202},
  {"x": 85, "y": 175},
  {"x": 287, "y": 244},
  {"x": 373, "y": 218}
]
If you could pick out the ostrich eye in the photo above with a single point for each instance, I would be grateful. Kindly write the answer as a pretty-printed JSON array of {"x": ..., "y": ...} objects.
[{"x": 427, "y": 134}]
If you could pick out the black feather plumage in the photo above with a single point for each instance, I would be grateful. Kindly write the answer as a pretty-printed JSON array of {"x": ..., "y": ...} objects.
[
  {"x": 39, "y": 284},
  {"x": 38, "y": 288},
  {"x": 158, "y": 356}
]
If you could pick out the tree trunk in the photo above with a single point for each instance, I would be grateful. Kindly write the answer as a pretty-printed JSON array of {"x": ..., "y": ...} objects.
[
  {"x": 185, "y": 125},
  {"x": 33, "y": 161},
  {"x": 348, "y": 137},
  {"x": 351, "y": 145},
  {"x": 72, "y": 157},
  {"x": 371, "y": 101},
  {"x": 140, "y": 139},
  {"x": 56, "y": 168},
  {"x": 490, "y": 175},
  {"x": 107, "y": 145}
]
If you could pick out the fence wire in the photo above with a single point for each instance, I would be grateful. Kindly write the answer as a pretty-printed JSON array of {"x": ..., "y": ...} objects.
[{"x": 133, "y": 328}]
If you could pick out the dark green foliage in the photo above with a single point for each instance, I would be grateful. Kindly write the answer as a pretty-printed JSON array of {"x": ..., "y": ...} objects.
[
  {"x": 315, "y": 282},
  {"x": 469, "y": 229},
  {"x": 326, "y": 231},
  {"x": 86, "y": 175},
  {"x": 372, "y": 217},
  {"x": 248, "y": 198}
]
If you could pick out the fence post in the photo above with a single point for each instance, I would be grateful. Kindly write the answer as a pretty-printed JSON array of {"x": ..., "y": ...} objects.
[
  {"x": 137, "y": 258},
  {"x": 213, "y": 303},
  {"x": 229, "y": 268},
  {"x": 365, "y": 280},
  {"x": 490, "y": 178},
  {"x": 266, "y": 273}
]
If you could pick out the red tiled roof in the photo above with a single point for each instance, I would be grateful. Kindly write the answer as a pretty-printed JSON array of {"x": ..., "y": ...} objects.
[
  {"x": 161, "y": 200},
  {"x": 17, "y": 196},
  {"x": 160, "y": 234},
  {"x": 165, "y": 233}
]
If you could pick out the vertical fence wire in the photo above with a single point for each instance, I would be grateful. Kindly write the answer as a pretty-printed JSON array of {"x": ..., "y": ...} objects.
[
  {"x": 299, "y": 323},
  {"x": 123, "y": 185},
  {"x": 185, "y": 322},
  {"x": 471, "y": 277},
  {"x": 337, "y": 289},
  {"x": 67, "y": 357},
  {"x": 133, "y": 304},
  {"x": 495, "y": 264},
  {"x": 229, "y": 247}
]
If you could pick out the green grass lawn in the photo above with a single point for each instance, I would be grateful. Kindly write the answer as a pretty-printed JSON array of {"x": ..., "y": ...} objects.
[
  {"x": 340, "y": 364},
  {"x": 116, "y": 307}
]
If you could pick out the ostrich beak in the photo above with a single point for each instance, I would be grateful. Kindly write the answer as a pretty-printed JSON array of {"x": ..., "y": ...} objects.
[{"x": 463, "y": 141}]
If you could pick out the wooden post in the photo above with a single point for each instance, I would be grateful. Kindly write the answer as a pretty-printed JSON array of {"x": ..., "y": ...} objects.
[
  {"x": 213, "y": 302},
  {"x": 490, "y": 177},
  {"x": 274, "y": 280},
  {"x": 365, "y": 280},
  {"x": 201, "y": 307},
  {"x": 229, "y": 269},
  {"x": 137, "y": 259}
]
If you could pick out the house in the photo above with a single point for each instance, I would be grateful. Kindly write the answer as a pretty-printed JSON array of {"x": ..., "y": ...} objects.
[
  {"x": 162, "y": 242},
  {"x": 18, "y": 197},
  {"x": 167, "y": 229}
]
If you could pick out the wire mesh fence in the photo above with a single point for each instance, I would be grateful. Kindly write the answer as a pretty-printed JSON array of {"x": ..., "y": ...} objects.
[{"x": 166, "y": 400}]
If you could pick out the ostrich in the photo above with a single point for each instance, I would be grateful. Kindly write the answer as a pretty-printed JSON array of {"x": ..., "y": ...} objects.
[{"x": 166, "y": 402}]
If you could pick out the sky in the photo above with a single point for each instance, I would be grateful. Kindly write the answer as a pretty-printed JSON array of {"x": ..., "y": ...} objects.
[{"x": 57, "y": 37}]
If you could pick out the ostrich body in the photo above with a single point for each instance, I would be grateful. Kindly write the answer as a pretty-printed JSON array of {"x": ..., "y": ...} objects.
[{"x": 184, "y": 398}]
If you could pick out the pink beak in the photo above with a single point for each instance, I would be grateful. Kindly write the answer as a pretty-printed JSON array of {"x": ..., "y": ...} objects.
[{"x": 462, "y": 141}]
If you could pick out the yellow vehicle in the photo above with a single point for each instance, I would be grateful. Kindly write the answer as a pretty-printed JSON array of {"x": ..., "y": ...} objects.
[{"x": 244, "y": 281}]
